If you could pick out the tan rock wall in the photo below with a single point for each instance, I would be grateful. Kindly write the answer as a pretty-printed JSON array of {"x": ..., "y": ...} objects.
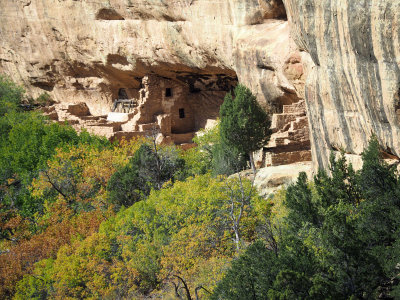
[
  {"x": 353, "y": 82},
  {"x": 85, "y": 51}
]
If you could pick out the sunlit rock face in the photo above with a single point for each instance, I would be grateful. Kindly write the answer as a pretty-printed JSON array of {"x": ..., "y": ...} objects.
[
  {"x": 87, "y": 51},
  {"x": 352, "y": 88}
]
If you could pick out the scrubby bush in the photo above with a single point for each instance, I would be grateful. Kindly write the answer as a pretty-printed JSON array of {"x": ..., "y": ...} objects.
[
  {"x": 11, "y": 95},
  {"x": 44, "y": 99}
]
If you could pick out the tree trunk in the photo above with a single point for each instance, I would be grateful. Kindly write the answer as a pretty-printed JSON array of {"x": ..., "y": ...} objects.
[
  {"x": 253, "y": 166},
  {"x": 237, "y": 239}
]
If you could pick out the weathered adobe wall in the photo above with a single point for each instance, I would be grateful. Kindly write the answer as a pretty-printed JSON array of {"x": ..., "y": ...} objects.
[
  {"x": 158, "y": 102},
  {"x": 353, "y": 85},
  {"x": 162, "y": 105}
]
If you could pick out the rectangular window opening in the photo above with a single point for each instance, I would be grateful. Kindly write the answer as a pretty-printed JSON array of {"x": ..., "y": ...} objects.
[
  {"x": 181, "y": 113},
  {"x": 168, "y": 92}
]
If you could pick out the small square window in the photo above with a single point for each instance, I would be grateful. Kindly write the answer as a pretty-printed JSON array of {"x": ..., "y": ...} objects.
[
  {"x": 168, "y": 92},
  {"x": 181, "y": 113}
]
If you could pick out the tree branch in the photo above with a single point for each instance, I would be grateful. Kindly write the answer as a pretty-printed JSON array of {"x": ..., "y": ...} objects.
[
  {"x": 199, "y": 288},
  {"x": 188, "y": 296},
  {"x": 55, "y": 186}
]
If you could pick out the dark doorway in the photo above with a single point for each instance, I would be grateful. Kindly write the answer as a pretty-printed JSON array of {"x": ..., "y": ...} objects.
[
  {"x": 122, "y": 94},
  {"x": 168, "y": 92},
  {"x": 181, "y": 113}
]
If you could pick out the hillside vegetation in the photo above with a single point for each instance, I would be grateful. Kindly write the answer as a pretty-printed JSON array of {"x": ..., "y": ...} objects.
[{"x": 83, "y": 218}]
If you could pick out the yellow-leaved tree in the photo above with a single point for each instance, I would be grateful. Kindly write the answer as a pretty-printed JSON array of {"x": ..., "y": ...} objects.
[{"x": 179, "y": 236}]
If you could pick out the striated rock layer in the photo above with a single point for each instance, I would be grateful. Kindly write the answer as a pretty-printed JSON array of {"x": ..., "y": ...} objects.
[{"x": 352, "y": 53}]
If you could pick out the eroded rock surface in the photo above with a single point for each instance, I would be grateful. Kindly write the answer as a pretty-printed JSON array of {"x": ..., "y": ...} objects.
[
  {"x": 270, "y": 179},
  {"x": 353, "y": 85},
  {"x": 87, "y": 51}
]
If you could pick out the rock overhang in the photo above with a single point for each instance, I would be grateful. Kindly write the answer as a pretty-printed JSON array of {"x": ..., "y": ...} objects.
[{"x": 80, "y": 51}]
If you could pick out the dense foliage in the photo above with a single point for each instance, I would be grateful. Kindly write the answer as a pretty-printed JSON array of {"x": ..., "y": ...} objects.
[
  {"x": 148, "y": 168},
  {"x": 213, "y": 155},
  {"x": 83, "y": 218},
  {"x": 27, "y": 141},
  {"x": 182, "y": 230},
  {"x": 338, "y": 239},
  {"x": 28, "y": 225}
]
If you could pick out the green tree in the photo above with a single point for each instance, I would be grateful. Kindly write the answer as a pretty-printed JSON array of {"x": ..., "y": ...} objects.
[
  {"x": 339, "y": 238},
  {"x": 126, "y": 186},
  {"x": 178, "y": 230},
  {"x": 11, "y": 95},
  {"x": 212, "y": 155},
  {"x": 147, "y": 169},
  {"x": 27, "y": 142},
  {"x": 27, "y": 146},
  {"x": 378, "y": 227},
  {"x": 250, "y": 276},
  {"x": 198, "y": 160},
  {"x": 300, "y": 203},
  {"x": 244, "y": 126},
  {"x": 226, "y": 160}
]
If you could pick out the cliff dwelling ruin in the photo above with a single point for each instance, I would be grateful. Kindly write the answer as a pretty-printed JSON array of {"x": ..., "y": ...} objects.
[
  {"x": 173, "y": 110},
  {"x": 165, "y": 106}
]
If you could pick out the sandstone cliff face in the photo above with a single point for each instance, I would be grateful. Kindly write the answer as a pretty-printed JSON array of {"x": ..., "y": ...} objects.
[
  {"x": 86, "y": 51},
  {"x": 353, "y": 84}
]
